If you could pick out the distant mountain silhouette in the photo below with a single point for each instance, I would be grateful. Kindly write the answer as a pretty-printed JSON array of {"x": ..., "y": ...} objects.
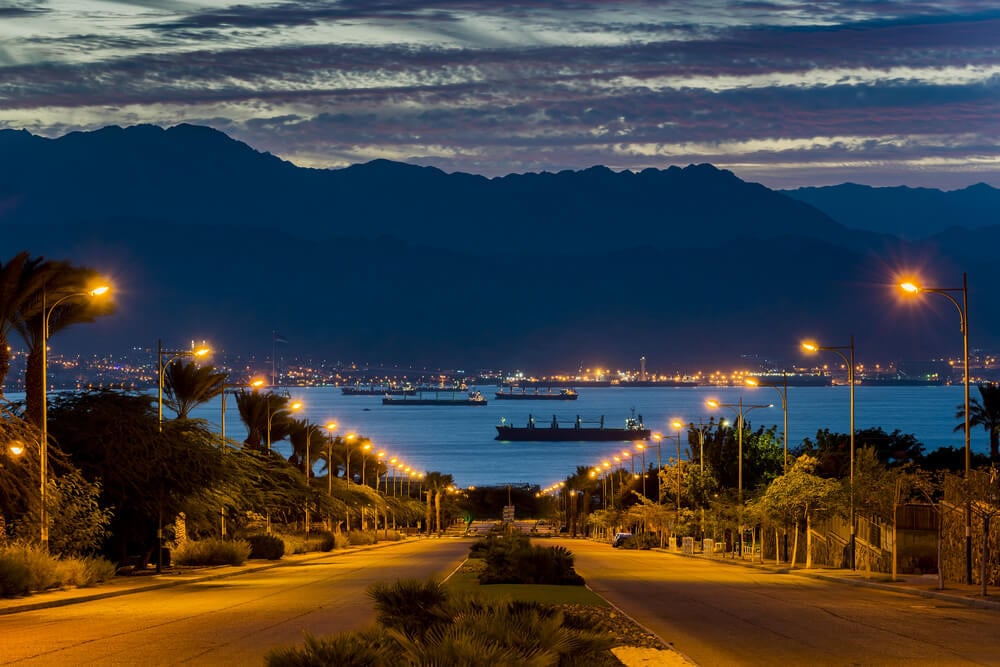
[
  {"x": 392, "y": 263},
  {"x": 911, "y": 213}
]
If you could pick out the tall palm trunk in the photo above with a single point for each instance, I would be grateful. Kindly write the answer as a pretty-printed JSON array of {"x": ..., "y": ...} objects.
[
  {"x": 437, "y": 510},
  {"x": 428, "y": 517}
]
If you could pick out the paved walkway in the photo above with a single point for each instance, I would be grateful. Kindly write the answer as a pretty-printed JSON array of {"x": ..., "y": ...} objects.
[{"x": 914, "y": 584}]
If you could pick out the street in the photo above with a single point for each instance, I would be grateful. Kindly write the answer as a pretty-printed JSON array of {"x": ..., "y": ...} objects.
[
  {"x": 724, "y": 614},
  {"x": 229, "y": 621}
]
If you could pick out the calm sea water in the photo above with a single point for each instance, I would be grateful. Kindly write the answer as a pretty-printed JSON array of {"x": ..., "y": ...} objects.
[{"x": 460, "y": 440}]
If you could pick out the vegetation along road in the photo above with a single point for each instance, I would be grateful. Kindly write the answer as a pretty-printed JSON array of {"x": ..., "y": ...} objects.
[
  {"x": 230, "y": 621},
  {"x": 727, "y": 614}
]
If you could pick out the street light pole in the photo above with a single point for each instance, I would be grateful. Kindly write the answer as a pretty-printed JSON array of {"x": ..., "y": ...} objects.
[
  {"x": 849, "y": 360},
  {"x": 43, "y": 448},
  {"x": 741, "y": 412},
  {"x": 783, "y": 392},
  {"x": 963, "y": 315}
]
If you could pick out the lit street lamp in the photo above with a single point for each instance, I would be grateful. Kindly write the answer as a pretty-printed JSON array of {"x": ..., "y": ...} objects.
[
  {"x": 364, "y": 449},
  {"x": 677, "y": 425},
  {"x": 43, "y": 452},
  {"x": 270, "y": 418},
  {"x": 172, "y": 356},
  {"x": 809, "y": 346},
  {"x": 782, "y": 390},
  {"x": 741, "y": 412},
  {"x": 642, "y": 448},
  {"x": 963, "y": 315},
  {"x": 347, "y": 465}
]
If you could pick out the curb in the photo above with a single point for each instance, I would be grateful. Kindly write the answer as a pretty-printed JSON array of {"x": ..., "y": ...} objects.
[
  {"x": 128, "y": 588},
  {"x": 885, "y": 586}
]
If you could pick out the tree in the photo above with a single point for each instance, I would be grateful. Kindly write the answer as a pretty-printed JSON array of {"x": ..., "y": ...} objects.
[
  {"x": 985, "y": 414},
  {"x": 258, "y": 411},
  {"x": 799, "y": 495},
  {"x": 59, "y": 280},
  {"x": 981, "y": 490},
  {"x": 21, "y": 279},
  {"x": 435, "y": 484},
  {"x": 188, "y": 385}
]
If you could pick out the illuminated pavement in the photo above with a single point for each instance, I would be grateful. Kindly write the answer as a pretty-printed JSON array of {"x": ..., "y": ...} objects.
[
  {"x": 227, "y": 620},
  {"x": 724, "y": 613}
]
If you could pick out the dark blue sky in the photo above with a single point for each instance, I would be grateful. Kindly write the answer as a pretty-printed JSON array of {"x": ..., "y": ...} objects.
[{"x": 785, "y": 93}]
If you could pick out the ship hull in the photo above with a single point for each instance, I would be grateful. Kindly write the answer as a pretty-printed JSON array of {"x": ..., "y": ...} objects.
[
  {"x": 549, "y": 434},
  {"x": 535, "y": 397},
  {"x": 430, "y": 401}
]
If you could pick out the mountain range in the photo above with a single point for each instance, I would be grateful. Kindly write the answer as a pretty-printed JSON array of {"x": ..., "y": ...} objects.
[{"x": 389, "y": 263}]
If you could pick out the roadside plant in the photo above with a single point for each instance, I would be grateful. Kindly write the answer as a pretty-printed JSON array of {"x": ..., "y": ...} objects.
[{"x": 212, "y": 551}]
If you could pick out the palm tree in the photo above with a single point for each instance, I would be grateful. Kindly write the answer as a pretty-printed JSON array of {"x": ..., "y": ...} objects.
[
  {"x": 435, "y": 484},
  {"x": 58, "y": 280},
  {"x": 576, "y": 484},
  {"x": 20, "y": 280},
  {"x": 985, "y": 414},
  {"x": 188, "y": 385},
  {"x": 256, "y": 410}
]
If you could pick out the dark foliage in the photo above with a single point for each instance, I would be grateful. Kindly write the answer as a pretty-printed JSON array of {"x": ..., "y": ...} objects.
[
  {"x": 267, "y": 547},
  {"x": 512, "y": 559}
]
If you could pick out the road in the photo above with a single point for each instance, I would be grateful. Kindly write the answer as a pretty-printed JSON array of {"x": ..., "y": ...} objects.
[
  {"x": 230, "y": 621},
  {"x": 723, "y": 614}
]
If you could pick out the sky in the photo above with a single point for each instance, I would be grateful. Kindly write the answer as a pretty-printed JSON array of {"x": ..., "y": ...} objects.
[{"x": 783, "y": 93}]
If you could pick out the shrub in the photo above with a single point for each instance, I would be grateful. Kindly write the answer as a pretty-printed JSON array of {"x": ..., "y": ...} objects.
[
  {"x": 516, "y": 561},
  {"x": 388, "y": 536},
  {"x": 212, "y": 551},
  {"x": 266, "y": 546},
  {"x": 347, "y": 649},
  {"x": 27, "y": 568},
  {"x": 361, "y": 537},
  {"x": 325, "y": 541},
  {"x": 340, "y": 541}
]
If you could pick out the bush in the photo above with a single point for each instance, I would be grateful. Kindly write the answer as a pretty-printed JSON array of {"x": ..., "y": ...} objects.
[
  {"x": 325, "y": 541},
  {"x": 361, "y": 537},
  {"x": 340, "y": 541},
  {"x": 513, "y": 560},
  {"x": 269, "y": 547},
  {"x": 212, "y": 551},
  {"x": 27, "y": 568}
]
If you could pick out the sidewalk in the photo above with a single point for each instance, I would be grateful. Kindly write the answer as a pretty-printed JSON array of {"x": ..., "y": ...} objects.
[
  {"x": 149, "y": 580},
  {"x": 925, "y": 585}
]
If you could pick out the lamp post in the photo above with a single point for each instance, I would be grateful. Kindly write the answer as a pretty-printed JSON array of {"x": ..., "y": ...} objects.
[
  {"x": 172, "y": 356},
  {"x": 642, "y": 448},
  {"x": 222, "y": 445},
  {"x": 43, "y": 448},
  {"x": 331, "y": 427},
  {"x": 678, "y": 425},
  {"x": 963, "y": 315},
  {"x": 741, "y": 412},
  {"x": 378, "y": 463},
  {"x": 310, "y": 429},
  {"x": 347, "y": 463},
  {"x": 366, "y": 448},
  {"x": 270, "y": 418},
  {"x": 782, "y": 390},
  {"x": 810, "y": 346}
]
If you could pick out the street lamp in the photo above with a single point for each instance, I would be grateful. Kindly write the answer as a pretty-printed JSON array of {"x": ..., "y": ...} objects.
[
  {"x": 378, "y": 475},
  {"x": 741, "y": 412},
  {"x": 642, "y": 448},
  {"x": 366, "y": 448},
  {"x": 270, "y": 418},
  {"x": 782, "y": 390},
  {"x": 963, "y": 315},
  {"x": 310, "y": 429},
  {"x": 347, "y": 465},
  {"x": 810, "y": 346},
  {"x": 172, "y": 356},
  {"x": 43, "y": 449},
  {"x": 678, "y": 426}
]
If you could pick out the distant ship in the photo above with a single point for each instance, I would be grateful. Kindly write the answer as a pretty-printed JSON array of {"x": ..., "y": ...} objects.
[
  {"x": 580, "y": 431},
  {"x": 793, "y": 379},
  {"x": 452, "y": 398},
  {"x": 547, "y": 395},
  {"x": 359, "y": 390},
  {"x": 899, "y": 381}
]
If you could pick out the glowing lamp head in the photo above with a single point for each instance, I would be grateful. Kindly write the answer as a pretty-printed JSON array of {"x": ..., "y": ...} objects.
[
  {"x": 17, "y": 448},
  {"x": 331, "y": 426},
  {"x": 257, "y": 384},
  {"x": 911, "y": 288},
  {"x": 201, "y": 351},
  {"x": 712, "y": 403},
  {"x": 99, "y": 291},
  {"x": 295, "y": 406},
  {"x": 677, "y": 424},
  {"x": 810, "y": 346},
  {"x": 751, "y": 382}
]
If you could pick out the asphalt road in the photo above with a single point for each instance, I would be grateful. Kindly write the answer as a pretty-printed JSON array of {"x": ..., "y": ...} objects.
[
  {"x": 230, "y": 621},
  {"x": 722, "y": 614}
]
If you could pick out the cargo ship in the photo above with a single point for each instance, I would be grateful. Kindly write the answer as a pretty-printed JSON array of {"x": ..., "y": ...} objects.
[
  {"x": 522, "y": 394},
  {"x": 579, "y": 431},
  {"x": 357, "y": 390},
  {"x": 451, "y": 398}
]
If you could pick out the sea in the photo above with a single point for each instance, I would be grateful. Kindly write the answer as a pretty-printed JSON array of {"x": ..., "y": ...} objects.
[{"x": 460, "y": 440}]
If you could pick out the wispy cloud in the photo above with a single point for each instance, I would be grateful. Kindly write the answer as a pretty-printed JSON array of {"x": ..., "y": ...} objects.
[{"x": 900, "y": 92}]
